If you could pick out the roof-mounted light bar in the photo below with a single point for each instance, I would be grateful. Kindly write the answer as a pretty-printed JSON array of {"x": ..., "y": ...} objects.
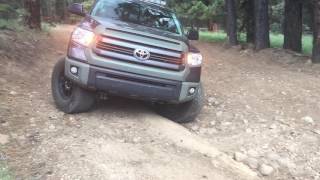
[{"x": 158, "y": 2}]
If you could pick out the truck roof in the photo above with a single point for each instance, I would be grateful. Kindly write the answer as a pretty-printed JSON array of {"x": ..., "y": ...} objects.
[{"x": 156, "y": 3}]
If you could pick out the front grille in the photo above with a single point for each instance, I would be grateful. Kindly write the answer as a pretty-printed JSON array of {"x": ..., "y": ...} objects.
[
  {"x": 121, "y": 50},
  {"x": 115, "y": 48},
  {"x": 167, "y": 59}
]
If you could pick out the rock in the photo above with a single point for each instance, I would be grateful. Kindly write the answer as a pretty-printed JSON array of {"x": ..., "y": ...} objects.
[
  {"x": 283, "y": 93},
  {"x": 13, "y": 93},
  {"x": 248, "y": 130},
  {"x": 195, "y": 128},
  {"x": 265, "y": 146},
  {"x": 308, "y": 119},
  {"x": 14, "y": 135},
  {"x": 213, "y": 123},
  {"x": 71, "y": 118},
  {"x": 219, "y": 113},
  {"x": 21, "y": 138},
  {"x": 4, "y": 123},
  {"x": 273, "y": 156},
  {"x": 122, "y": 140},
  {"x": 136, "y": 139},
  {"x": 4, "y": 139},
  {"x": 309, "y": 62},
  {"x": 240, "y": 157},
  {"x": 252, "y": 163},
  {"x": 273, "y": 126},
  {"x": 286, "y": 162},
  {"x": 213, "y": 101},
  {"x": 32, "y": 120},
  {"x": 52, "y": 127},
  {"x": 226, "y": 123},
  {"x": 53, "y": 116},
  {"x": 316, "y": 131},
  {"x": 266, "y": 170},
  {"x": 253, "y": 153}
]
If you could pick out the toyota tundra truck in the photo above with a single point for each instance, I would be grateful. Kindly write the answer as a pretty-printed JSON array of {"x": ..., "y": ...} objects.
[{"x": 130, "y": 48}]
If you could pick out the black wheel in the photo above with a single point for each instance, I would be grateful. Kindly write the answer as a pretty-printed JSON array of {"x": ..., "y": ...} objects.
[
  {"x": 185, "y": 112},
  {"x": 67, "y": 96}
]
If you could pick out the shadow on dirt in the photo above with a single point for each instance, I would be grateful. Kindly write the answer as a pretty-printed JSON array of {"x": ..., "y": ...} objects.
[
  {"x": 123, "y": 107},
  {"x": 119, "y": 103}
]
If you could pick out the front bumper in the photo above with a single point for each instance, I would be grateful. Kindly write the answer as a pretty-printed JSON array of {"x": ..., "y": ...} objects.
[{"x": 129, "y": 84}]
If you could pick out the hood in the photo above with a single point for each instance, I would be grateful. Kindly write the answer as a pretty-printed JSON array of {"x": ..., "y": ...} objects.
[{"x": 116, "y": 24}]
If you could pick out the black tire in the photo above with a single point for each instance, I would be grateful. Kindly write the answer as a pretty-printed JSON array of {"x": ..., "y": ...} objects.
[
  {"x": 185, "y": 112},
  {"x": 69, "y": 98}
]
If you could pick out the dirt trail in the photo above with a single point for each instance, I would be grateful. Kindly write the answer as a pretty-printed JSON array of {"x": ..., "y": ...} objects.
[
  {"x": 119, "y": 139},
  {"x": 264, "y": 107}
]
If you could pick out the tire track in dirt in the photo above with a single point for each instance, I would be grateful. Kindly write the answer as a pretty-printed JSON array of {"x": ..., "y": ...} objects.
[{"x": 119, "y": 139}]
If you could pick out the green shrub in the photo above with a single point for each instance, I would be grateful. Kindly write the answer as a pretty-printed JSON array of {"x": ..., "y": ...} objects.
[
  {"x": 7, "y": 12},
  {"x": 11, "y": 25},
  {"x": 10, "y": 17},
  {"x": 88, "y": 4}
]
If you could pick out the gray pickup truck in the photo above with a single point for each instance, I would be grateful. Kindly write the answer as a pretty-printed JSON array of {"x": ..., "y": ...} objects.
[{"x": 131, "y": 48}]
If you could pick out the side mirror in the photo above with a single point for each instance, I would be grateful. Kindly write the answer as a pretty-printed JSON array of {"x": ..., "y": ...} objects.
[
  {"x": 193, "y": 35},
  {"x": 77, "y": 9}
]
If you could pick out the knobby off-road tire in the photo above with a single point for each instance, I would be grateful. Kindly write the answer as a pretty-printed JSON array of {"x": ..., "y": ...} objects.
[
  {"x": 67, "y": 96},
  {"x": 185, "y": 112}
]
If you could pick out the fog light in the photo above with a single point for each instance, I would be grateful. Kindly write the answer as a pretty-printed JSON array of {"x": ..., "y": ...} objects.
[
  {"x": 192, "y": 90},
  {"x": 74, "y": 70}
]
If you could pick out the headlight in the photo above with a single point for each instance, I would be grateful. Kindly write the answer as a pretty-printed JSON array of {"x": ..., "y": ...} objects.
[
  {"x": 80, "y": 39},
  {"x": 77, "y": 51},
  {"x": 82, "y": 36},
  {"x": 194, "y": 59}
]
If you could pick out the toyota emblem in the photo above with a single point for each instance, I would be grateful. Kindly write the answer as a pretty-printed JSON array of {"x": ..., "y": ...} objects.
[{"x": 141, "y": 54}]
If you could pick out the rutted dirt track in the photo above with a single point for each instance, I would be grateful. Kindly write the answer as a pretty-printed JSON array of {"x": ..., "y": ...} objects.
[
  {"x": 257, "y": 107},
  {"x": 119, "y": 139}
]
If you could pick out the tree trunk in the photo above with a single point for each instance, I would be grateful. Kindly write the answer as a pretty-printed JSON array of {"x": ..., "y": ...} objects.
[
  {"x": 33, "y": 19},
  {"x": 262, "y": 39},
  {"x": 293, "y": 25},
  {"x": 61, "y": 13},
  {"x": 210, "y": 25},
  {"x": 316, "y": 34},
  {"x": 249, "y": 20},
  {"x": 231, "y": 22}
]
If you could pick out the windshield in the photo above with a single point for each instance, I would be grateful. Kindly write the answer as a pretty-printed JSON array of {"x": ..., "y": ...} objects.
[{"x": 137, "y": 13}]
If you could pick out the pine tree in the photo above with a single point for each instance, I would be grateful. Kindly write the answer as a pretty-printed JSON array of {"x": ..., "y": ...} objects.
[
  {"x": 316, "y": 42},
  {"x": 231, "y": 22},
  {"x": 293, "y": 25},
  {"x": 249, "y": 20},
  {"x": 33, "y": 19},
  {"x": 262, "y": 39}
]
